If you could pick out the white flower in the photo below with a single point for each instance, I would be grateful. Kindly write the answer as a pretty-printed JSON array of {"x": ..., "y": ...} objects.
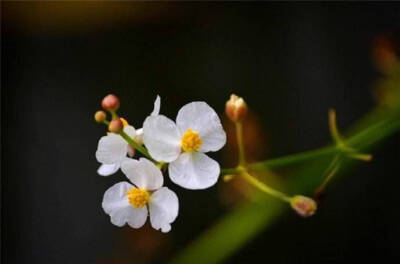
[
  {"x": 197, "y": 130},
  {"x": 112, "y": 149},
  {"x": 127, "y": 203}
]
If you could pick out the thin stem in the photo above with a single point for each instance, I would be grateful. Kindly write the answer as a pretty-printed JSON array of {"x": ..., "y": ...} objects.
[
  {"x": 134, "y": 144},
  {"x": 333, "y": 127},
  {"x": 130, "y": 141},
  {"x": 239, "y": 136},
  {"x": 366, "y": 137},
  {"x": 265, "y": 188},
  {"x": 293, "y": 158},
  {"x": 329, "y": 172}
]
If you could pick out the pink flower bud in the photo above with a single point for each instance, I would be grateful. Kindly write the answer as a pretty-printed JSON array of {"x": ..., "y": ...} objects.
[
  {"x": 236, "y": 108},
  {"x": 110, "y": 102},
  {"x": 115, "y": 125},
  {"x": 100, "y": 116},
  {"x": 304, "y": 206}
]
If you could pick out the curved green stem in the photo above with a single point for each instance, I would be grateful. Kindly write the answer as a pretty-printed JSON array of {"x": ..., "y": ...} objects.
[
  {"x": 134, "y": 144},
  {"x": 293, "y": 158},
  {"x": 265, "y": 188},
  {"x": 329, "y": 172}
]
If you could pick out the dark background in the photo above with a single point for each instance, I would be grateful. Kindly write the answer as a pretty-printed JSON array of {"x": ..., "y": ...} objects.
[{"x": 291, "y": 62}]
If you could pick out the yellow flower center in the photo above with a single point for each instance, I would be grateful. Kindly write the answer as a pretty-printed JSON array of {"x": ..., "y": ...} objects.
[
  {"x": 191, "y": 141},
  {"x": 138, "y": 197}
]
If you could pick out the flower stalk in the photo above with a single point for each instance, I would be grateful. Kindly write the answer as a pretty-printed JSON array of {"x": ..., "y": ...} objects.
[
  {"x": 239, "y": 137},
  {"x": 136, "y": 145},
  {"x": 265, "y": 188}
]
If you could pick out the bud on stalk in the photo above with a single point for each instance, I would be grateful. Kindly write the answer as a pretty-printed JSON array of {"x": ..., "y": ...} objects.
[
  {"x": 100, "y": 116},
  {"x": 110, "y": 102},
  {"x": 236, "y": 108},
  {"x": 115, "y": 126},
  {"x": 304, "y": 206}
]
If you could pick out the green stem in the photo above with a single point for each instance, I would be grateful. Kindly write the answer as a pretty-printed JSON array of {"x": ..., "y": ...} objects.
[
  {"x": 293, "y": 159},
  {"x": 239, "y": 136},
  {"x": 134, "y": 144},
  {"x": 365, "y": 137},
  {"x": 333, "y": 127},
  {"x": 265, "y": 188},
  {"x": 329, "y": 172},
  {"x": 251, "y": 218}
]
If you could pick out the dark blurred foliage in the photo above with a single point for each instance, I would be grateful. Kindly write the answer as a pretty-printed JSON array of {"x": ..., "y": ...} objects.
[{"x": 290, "y": 61}]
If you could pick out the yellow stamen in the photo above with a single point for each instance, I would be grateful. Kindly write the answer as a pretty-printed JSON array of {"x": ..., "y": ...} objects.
[
  {"x": 191, "y": 141},
  {"x": 138, "y": 198}
]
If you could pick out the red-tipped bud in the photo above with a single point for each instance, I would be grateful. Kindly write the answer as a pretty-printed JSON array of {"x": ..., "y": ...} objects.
[
  {"x": 115, "y": 126},
  {"x": 236, "y": 108},
  {"x": 100, "y": 116},
  {"x": 304, "y": 206},
  {"x": 110, "y": 102}
]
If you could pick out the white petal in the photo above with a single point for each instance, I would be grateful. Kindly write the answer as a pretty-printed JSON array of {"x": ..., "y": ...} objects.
[
  {"x": 194, "y": 171},
  {"x": 163, "y": 207},
  {"x": 139, "y": 132},
  {"x": 143, "y": 173},
  {"x": 108, "y": 169},
  {"x": 137, "y": 217},
  {"x": 200, "y": 117},
  {"x": 130, "y": 130},
  {"x": 115, "y": 203},
  {"x": 157, "y": 104},
  {"x": 162, "y": 138},
  {"x": 111, "y": 149},
  {"x": 139, "y": 135}
]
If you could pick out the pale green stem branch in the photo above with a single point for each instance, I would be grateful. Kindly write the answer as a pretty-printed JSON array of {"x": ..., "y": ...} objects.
[
  {"x": 136, "y": 145},
  {"x": 265, "y": 188}
]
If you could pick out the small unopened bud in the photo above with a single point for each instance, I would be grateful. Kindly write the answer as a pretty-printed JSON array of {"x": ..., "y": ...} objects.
[
  {"x": 110, "y": 102},
  {"x": 236, "y": 108},
  {"x": 100, "y": 116},
  {"x": 115, "y": 126},
  {"x": 304, "y": 206}
]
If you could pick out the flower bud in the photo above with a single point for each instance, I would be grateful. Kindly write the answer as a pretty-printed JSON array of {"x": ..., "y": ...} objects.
[
  {"x": 110, "y": 102},
  {"x": 304, "y": 206},
  {"x": 100, "y": 116},
  {"x": 236, "y": 108},
  {"x": 115, "y": 125}
]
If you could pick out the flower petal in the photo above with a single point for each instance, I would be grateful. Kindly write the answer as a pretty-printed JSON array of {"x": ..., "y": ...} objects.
[
  {"x": 194, "y": 171},
  {"x": 130, "y": 130},
  {"x": 111, "y": 149},
  {"x": 162, "y": 138},
  {"x": 137, "y": 217},
  {"x": 200, "y": 117},
  {"x": 115, "y": 203},
  {"x": 163, "y": 207},
  {"x": 108, "y": 169},
  {"x": 157, "y": 104},
  {"x": 143, "y": 173}
]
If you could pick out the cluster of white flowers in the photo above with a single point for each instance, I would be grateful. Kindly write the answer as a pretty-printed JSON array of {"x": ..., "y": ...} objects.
[{"x": 179, "y": 145}]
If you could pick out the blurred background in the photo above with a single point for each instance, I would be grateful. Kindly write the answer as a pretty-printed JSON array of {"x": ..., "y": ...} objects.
[{"x": 290, "y": 61}]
